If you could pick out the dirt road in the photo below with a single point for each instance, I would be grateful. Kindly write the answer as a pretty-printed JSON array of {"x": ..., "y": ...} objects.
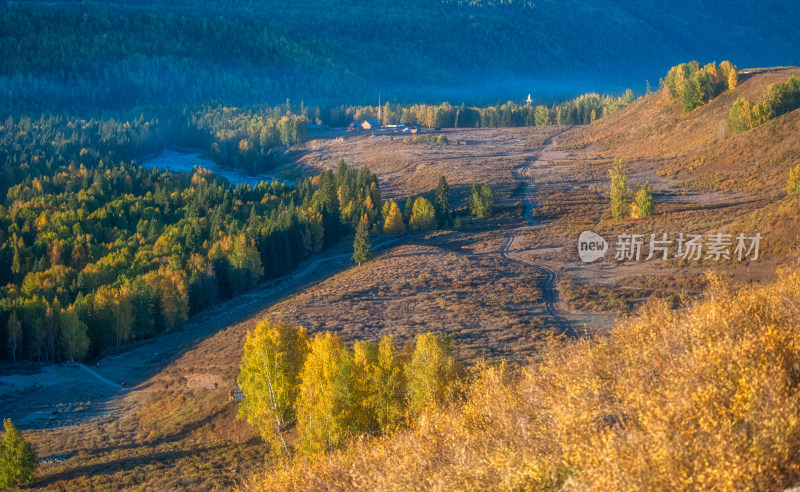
[{"x": 548, "y": 284}]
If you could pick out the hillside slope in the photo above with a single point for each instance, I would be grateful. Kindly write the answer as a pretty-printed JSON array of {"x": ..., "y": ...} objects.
[
  {"x": 692, "y": 157},
  {"x": 696, "y": 147}
]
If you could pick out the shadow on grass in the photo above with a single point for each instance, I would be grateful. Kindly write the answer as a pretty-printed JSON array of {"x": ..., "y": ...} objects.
[
  {"x": 164, "y": 459},
  {"x": 161, "y": 458}
]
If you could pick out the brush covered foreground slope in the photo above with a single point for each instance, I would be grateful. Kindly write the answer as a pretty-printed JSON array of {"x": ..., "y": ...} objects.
[{"x": 707, "y": 398}]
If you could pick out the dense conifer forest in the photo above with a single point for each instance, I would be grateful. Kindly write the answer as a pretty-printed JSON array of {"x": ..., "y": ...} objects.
[
  {"x": 97, "y": 251},
  {"x": 119, "y": 55}
]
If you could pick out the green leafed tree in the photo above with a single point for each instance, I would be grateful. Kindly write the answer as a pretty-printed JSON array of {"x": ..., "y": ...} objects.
[
  {"x": 691, "y": 95},
  {"x": 365, "y": 358},
  {"x": 694, "y": 85},
  {"x": 746, "y": 115},
  {"x": 432, "y": 372},
  {"x": 423, "y": 216},
  {"x": 274, "y": 354},
  {"x": 73, "y": 335},
  {"x": 778, "y": 99},
  {"x": 619, "y": 189},
  {"x": 642, "y": 204},
  {"x": 361, "y": 244},
  {"x": 380, "y": 385},
  {"x": 441, "y": 203},
  {"x": 245, "y": 268},
  {"x": 481, "y": 201},
  {"x": 18, "y": 462}
]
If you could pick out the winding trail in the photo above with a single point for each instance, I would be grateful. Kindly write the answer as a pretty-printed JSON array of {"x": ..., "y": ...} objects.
[{"x": 548, "y": 284}]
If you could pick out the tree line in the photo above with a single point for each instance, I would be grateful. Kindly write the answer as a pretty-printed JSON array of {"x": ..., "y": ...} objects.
[
  {"x": 778, "y": 99},
  {"x": 84, "y": 57},
  {"x": 245, "y": 138},
  {"x": 333, "y": 392},
  {"x": 694, "y": 86},
  {"x": 581, "y": 110}
]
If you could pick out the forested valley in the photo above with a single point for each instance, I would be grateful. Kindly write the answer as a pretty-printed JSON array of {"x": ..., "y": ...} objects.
[
  {"x": 96, "y": 251},
  {"x": 119, "y": 56}
]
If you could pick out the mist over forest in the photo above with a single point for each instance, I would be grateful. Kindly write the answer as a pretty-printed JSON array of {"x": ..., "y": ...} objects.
[{"x": 86, "y": 57}]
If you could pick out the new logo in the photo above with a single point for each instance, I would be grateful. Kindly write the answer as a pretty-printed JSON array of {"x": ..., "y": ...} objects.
[{"x": 591, "y": 246}]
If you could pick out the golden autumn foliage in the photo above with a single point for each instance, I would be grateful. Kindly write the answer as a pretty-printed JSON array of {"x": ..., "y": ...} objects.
[
  {"x": 332, "y": 394},
  {"x": 793, "y": 182},
  {"x": 273, "y": 357},
  {"x": 393, "y": 219},
  {"x": 704, "y": 398},
  {"x": 325, "y": 400}
]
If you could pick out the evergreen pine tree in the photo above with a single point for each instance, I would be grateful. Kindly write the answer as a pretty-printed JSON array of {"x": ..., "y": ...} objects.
[
  {"x": 441, "y": 204},
  {"x": 14, "y": 329},
  {"x": 619, "y": 189},
  {"x": 361, "y": 244},
  {"x": 408, "y": 209},
  {"x": 481, "y": 201},
  {"x": 17, "y": 460},
  {"x": 16, "y": 262}
]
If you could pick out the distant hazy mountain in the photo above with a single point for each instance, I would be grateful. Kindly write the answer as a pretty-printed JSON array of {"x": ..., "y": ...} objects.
[{"x": 123, "y": 54}]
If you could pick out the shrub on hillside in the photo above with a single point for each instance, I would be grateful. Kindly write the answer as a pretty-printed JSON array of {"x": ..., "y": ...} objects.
[
  {"x": 642, "y": 204},
  {"x": 619, "y": 189},
  {"x": 779, "y": 98},
  {"x": 793, "y": 183},
  {"x": 694, "y": 86},
  {"x": 481, "y": 201},
  {"x": 17, "y": 460}
]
